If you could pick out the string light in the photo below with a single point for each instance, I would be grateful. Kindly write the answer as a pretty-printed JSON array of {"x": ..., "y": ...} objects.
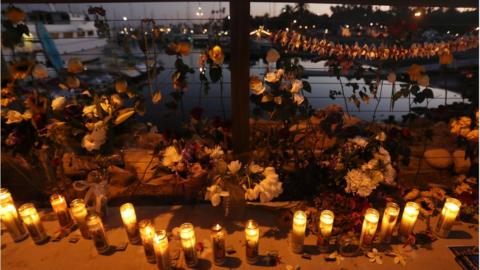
[{"x": 260, "y": 31}]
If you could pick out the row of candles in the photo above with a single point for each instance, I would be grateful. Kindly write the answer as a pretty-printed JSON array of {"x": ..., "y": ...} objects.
[{"x": 156, "y": 244}]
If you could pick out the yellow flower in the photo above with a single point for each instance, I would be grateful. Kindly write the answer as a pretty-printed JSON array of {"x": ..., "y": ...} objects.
[
  {"x": 472, "y": 135},
  {"x": 121, "y": 86},
  {"x": 415, "y": 71},
  {"x": 15, "y": 14},
  {"x": 256, "y": 85},
  {"x": 182, "y": 48},
  {"x": 216, "y": 54},
  {"x": 72, "y": 82},
  {"x": 39, "y": 72},
  {"x": 465, "y": 121},
  {"x": 446, "y": 58},
  {"x": 74, "y": 65}
]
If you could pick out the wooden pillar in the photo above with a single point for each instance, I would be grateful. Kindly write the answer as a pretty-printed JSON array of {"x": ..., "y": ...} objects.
[{"x": 240, "y": 74}]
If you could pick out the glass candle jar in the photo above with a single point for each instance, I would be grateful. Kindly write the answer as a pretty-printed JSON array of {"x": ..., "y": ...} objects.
[
  {"x": 390, "y": 216},
  {"x": 32, "y": 221},
  {"x": 447, "y": 218},
  {"x": 79, "y": 212},
  {"x": 10, "y": 219},
  {"x": 187, "y": 237},
  {"x": 325, "y": 226},
  {"x": 299, "y": 224},
  {"x": 97, "y": 233},
  {"x": 162, "y": 253},
  {"x": 409, "y": 218},
  {"x": 129, "y": 218},
  {"x": 217, "y": 236},
  {"x": 5, "y": 196},
  {"x": 147, "y": 232},
  {"x": 369, "y": 227},
  {"x": 60, "y": 208},
  {"x": 252, "y": 235}
]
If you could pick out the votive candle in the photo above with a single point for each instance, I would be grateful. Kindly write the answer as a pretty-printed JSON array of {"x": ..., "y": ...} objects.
[
  {"x": 299, "y": 224},
  {"x": 325, "y": 227},
  {"x": 10, "y": 219},
  {"x": 252, "y": 235},
  {"x": 369, "y": 227},
  {"x": 79, "y": 211},
  {"x": 32, "y": 221},
  {"x": 5, "y": 196},
  {"x": 160, "y": 246},
  {"x": 389, "y": 219},
  {"x": 60, "y": 208},
  {"x": 147, "y": 232},
  {"x": 187, "y": 237},
  {"x": 409, "y": 218},
  {"x": 447, "y": 218},
  {"x": 129, "y": 218},
  {"x": 97, "y": 233},
  {"x": 218, "y": 244}
]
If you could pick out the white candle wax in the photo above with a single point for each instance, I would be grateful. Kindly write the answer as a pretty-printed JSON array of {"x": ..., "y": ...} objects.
[
  {"x": 447, "y": 218},
  {"x": 160, "y": 246},
  {"x": 299, "y": 224},
  {"x": 252, "y": 235},
  {"x": 409, "y": 218},
  {"x": 369, "y": 227},
  {"x": 390, "y": 216},
  {"x": 129, "y": 218}
]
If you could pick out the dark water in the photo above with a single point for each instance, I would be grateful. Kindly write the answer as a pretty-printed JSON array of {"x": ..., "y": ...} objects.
[{"x": 217, "y": 101}]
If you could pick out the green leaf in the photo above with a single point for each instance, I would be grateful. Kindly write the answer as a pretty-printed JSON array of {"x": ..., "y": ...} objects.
[{"x": 307, "y": 87}]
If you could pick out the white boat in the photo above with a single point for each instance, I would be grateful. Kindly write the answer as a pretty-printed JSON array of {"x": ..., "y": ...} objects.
[{"x": 74, "y": 35}]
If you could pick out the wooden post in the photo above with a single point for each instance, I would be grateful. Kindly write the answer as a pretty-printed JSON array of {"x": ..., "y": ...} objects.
[{"x": 240, "y": 74}]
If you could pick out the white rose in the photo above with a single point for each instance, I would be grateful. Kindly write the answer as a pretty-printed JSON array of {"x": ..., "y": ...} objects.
[{"x": 59, "y": 103}]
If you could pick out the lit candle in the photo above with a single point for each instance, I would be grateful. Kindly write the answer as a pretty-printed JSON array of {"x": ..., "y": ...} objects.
[
  {"x": 97, "y": 233},
  {"x": 60, "y": 208},
  {"x": 79, "y": 212},
  {"x": 369, "y": 227},
  {"x": 447, "y": 218},
  {"x": 187, "y": 237},
  {"x": 147, "y": 232},
  {"x": 252, "y": 235},
  {"x": 390, "y": 216},
  {"x": 299, "y": 224},
  {"x": 325, "y": 227},
  {"x": 10, "y": 219},
  {"x": 5, "y": 196},
  {"x": 160, "y": 245},
  {"x": 130, "y": 222},
  {"x": 32, "y": 221},
  {"x": 218, "y": 244},
  {"x": 409, "y": 218}
]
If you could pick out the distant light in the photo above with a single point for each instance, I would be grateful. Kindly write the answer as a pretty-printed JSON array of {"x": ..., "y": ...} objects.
[
  {"x": 226, "y": 33},
  {"x": 326, "y": 31},
  {"x": 191, "y": 31},
  {"x": 418, "y": 14},
  {"x": 371, "y": 24},
  {"x": 294, "y": 21},
  {"x": 146, "y": 33},
  {"x": 347, "y": 26},
  {"x": 301, "y": 27},
  {"x": 125, "y": 18},
  {"x": 448, "y": 32},
  {"x": 131, "y": 29},
  {"x": 477, "y": 28},
  {"x": 286, "y": 29},
  {"x": 314, "y": 26},
  {"x": 284, "y": 9},
  {"x": 121, "y": 32},
  {"x": 228, "y": 17},
  {"x": 306, "y": 26}
]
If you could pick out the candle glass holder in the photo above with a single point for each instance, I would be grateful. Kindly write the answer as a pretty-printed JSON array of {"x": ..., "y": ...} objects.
[
  {"x": 252, "y": 235},
  {"x": 447, "y": 218},
  {"x": 97, "y": 233},
  {"x": 369, "y": 227},
  {"x": 79, "y": 212},
  {"x": 409, "y": 218},
  {"x": 162, "y": 253},
  {"x": 390, "y": 216},
  {"x": 325, "y": 227},
  {"x": 129, "y": 218},
  {"x": 5, "y": 196},
  {"x": 10, "y": 219},
  {"x": 32, "y": 221},
  {"x": 147, "y": 232},
  {"x": 187, "y": 237},
  {"x": 60, "y": 208},
  {"x": 217, "y": 236},
  {"x": 299, "y": 224}
]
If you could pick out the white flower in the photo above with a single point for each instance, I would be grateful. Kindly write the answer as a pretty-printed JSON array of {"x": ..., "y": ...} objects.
[
  {"x": 59, "y": 103},
  {"x": 298, "y": 99},
  {"x": 255, "y": 168},
  {"x": 213, "y": 194},
  {"x": 381, "y": 136},
  {"x": 389, "y": 175},
  {"x": 96, "y": 138},
  {"x": 90, "y": 111},
  {"x": 359, "y": 183},
  {"x": 374, "y": 256},
  {"x": 272, "y": 56},
  {"x": 383, "y": 155},
  {"x": 297, "y": 85},
  {"x": 171, "y": 156},
  {"x": 391, "y": 77},
  {"x": 359, "y": 141},
  {"x": 251, "y": 194},
  {"x": 214, "y": 153},
  {"x": 234, "y": 166}
]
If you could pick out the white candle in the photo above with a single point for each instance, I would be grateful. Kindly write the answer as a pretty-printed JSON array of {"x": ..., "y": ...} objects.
[
  {"x": 32, "y": 221},
  {"x": 390, "y": 216},
  {"x": 299, "y": 224},
  {"x": 10, "y": 219},
  {"x": 129, "y": 218},
  {"x": 160, "y": 245},
  {"x": 252, "y": 235},
  {"x": 60, "y": 208},
  {"x": 325, "y": 226},
  {"x": 409, "y": 218},
  {"x": 97, "y": 233},
  {"x": 187, "y": 237},
  {"x": 369, "y": 227},
  {"x": 79, "y": 212},
  {"x": 147, "y": 232},
  {"x": 217, "y": 236},
  {"x": 447, "y": 218}
]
